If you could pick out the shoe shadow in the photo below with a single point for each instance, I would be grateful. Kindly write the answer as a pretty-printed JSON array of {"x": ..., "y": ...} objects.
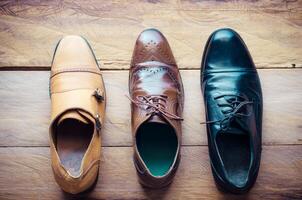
[
  {"x": 152, "y": 193},
  {"x": 83, "y": 195},
  {"x": 227, "y": 195}
]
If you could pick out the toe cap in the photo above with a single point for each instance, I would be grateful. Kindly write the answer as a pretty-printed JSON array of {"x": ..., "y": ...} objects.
[
  {"x": 151, "y": 45},
  {"x": 73, "y": 51},
  {"x": 226, "y": 50}
]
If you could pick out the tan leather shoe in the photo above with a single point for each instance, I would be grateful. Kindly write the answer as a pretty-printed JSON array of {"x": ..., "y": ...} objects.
[
  {"x": 77, "y": 114},
  {"x": 157, "y": 97}
]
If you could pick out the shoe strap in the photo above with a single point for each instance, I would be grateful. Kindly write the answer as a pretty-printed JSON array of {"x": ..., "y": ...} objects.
[{"x": 84, "y": 92}]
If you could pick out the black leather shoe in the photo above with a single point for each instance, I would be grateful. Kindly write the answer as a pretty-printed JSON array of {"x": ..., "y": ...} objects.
[{"x": 233, "y": 103}]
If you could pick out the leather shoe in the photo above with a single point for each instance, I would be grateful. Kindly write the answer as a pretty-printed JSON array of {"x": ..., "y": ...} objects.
[
  {"x": 233, "y": 104},
  {"x": 157, "y": 97},
  {"x": 77, "y": 113}
]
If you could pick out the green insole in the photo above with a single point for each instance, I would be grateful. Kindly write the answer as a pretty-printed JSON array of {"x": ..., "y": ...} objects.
[{"x": 157, "y": 144}]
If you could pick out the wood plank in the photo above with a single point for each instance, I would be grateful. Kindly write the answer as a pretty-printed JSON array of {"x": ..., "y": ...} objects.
[
  {"x": 25, "y": 173},
  {"x": 25, "y": 104},
  {"x": 30, "y": 29}
]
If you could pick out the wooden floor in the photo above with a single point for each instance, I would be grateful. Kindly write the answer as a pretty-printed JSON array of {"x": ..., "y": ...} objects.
[{"x": 29, "y": 31}]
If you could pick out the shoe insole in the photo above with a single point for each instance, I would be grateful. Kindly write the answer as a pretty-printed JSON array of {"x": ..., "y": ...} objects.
[
  {"x": 157, "y": 145},
  {"x": 235, "y": 153},
  {"x": 73, "y": 139}
]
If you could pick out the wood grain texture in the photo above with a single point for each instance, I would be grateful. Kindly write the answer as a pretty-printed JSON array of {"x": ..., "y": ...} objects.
[
  {"x": 25, "y": 173},
  {"x": 25, "y": 108},
  {"x": 30, "y": 29}
]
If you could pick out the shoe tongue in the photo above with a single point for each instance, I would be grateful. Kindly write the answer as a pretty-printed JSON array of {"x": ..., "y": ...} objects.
[
  {"x": 157, "y": 119},
  {"x": 236, "y": 131},
  {"x": 237, "y": 127},
  {"x": 78, "y": 115}
]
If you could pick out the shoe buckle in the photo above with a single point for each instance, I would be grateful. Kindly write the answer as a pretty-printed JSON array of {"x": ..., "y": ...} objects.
[
  {"x": 98, "y": 94},
  {"x": 98, "y": 124}
]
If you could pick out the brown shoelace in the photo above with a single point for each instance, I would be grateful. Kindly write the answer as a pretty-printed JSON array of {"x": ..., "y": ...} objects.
[{"x": 156, "y": 104}]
